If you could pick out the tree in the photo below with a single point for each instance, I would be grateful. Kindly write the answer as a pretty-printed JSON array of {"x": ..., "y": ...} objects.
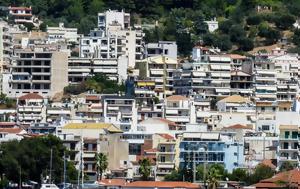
[
  {"x": 287, "y": 166},
  {"x": 239, "y": 175},
  {"x": 175, "y": 175},
  {"x": 33, "y": 158},
  {"x": 296, "y": 37},
  {"x": 101, "y": 164},
  {"x": 213, "y": 178},
  {"x": 261, "y": 172},
  {"x": 285, "y": 21},
  {"x": 145, "y": 168}
]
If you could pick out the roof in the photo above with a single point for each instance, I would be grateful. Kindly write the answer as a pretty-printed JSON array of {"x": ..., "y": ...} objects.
[
  {"x": 235, "y": 99},
  {"x": 20, "y": 8},
  {"x": 92, "y": 97},
  {"x": 170, "y": 123},
  {"x": 268, "y": 162},
  {"x": 108, "y": 126},
  {"x": 239, "y": 73},
  {"x": 281, "y": 180},
  {"x": 159, "y": 60},
  {"x": 112, "y": 182},
  {"x": 30, "y": 96},
  {"x": 160, "y": 184},
  {"x": 176, "y": 98},
  {"x": 237, "y": 126},
  {"x": 166, "y": 136},
  {"x": 11, "y": 130},
  {"x": 288, "y": 127},
  {"x": 236, "y": 56}
]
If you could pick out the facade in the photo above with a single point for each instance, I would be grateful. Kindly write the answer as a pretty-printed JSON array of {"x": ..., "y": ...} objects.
[
  {"x": 241, "y": 83},
  {"x": 121, "y": 111},
  {"x": 288, "y": 147},
  {"x": 213, "y": 25},
  {"x": 62, "y": 34},
  {"x": 166, "y": 48},
  {"x": 110, "y": 17},
  {"x": 21, "y": 15},
  {"x": 31, "y": 108},
  {"x": 210, "y": 148},
  {"x": 88, "y": 139},
  {"x": 79, "y": 69},
  {"x": 39, "y": 71}
]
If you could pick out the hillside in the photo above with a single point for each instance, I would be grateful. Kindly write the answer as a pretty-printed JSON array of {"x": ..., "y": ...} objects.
[{"x": 243, "y": 24}]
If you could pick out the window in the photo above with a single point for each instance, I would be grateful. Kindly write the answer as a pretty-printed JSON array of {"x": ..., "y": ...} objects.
[
  {"x": 286, "y": 134},
  {"x": 265, "y": 127},
  {"x": 163, "y": 159}
]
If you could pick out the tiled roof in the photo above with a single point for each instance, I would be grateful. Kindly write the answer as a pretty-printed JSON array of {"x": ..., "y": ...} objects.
[
  {"x": 160, "y": 184},
  {"x": 166, "y": 136},
  {"x": 92, "y": 97},
  {"x": 236, "y": 56},
  {"x": 170, "y": 123},
  {"x": 11, "y": 130},
  {"x": 268, "y": 162},
  {"x": 112, "y": 182},
  {"x": 288, "y": 127},
  {"x": 237, "y": 126},
  {"x": 281, "y": 180},
  {"x": 30, "y": 96},
  {"x": 235, "y": 99},
  {"x": 176, "y": 98},
  {"x": 110, "y": 127}
]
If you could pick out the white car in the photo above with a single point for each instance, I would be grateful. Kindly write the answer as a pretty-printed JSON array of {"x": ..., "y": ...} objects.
[{"x": 49, "y": 186}]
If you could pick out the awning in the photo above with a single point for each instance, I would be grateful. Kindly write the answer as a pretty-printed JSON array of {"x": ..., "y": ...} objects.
[
  {"x": 223, "y": 90},
  {"x": 199, "y": 74},
  {"x": 269, "y": 88},
  {"x": 157, "y": 72}
]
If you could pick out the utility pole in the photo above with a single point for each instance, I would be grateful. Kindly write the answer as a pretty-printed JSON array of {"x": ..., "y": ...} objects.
[
  {"x": 50, "y": 176},
  {"x": 20, "y": 178},
  {"x": 64, "y": 170}
]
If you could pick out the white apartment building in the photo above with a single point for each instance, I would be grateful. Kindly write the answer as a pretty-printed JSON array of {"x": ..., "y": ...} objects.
[
  {"x": 37, "y": 70},
  {"x": 180, "y": 110},
  {"x": 121, "y": 111},
  {"x": 161, "y": 70},
  {"x": 264, "y": 80},
  {"x": 287, "y": 68},
  {"x": 110, "y": 17},
  {"x": 31, "y": 108},
  {"x": 166, "y": 48},
  {"x": 21, "y": 15},
  {"x": 81, "y": 68},
  {"x": 210, "y": 79},
  {"x": 5, "y": 45},
  {"x": 62, "y": 34}
]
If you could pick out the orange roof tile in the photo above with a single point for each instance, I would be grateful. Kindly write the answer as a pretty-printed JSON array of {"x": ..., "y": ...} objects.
[
  {"x": 176, "y": 98},
  {"x": 112, "y": 182},
  {"x": 268, "y": 162},
  {"x": 166, "y": 136},
  {"x": 92, "y": 97},
  {"x": 161, "y": 184},
  {"x": 170, "y": 123},
  {"x": 236, "y": 56},
  {"x": 11, "y": 130},
  {"x": 291, "y": 177},
  {"x": 238, "y": 126},
  {"x": 30, "y": 96}
]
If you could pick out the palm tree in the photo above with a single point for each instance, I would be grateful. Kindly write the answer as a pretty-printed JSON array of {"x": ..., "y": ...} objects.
[
  {"x": 145, "y": 168},
  {"x": 101, "y": 164},
  {"x": 213, "y": 178}
]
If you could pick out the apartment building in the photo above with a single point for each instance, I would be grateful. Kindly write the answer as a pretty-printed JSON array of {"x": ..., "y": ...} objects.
[
  {"x": 161, "y": 70},
  {"x": 79, "y": 69},
  {"x": 87, "y": 139},
  {"x": 210, "y": 79},
  {"x": 5, "y": 45},
  {"x": 21, "y": 15},
  {"x": 264, "y": 80},
  {"x": 241, "y": 83},
  {"x": 210, "y": 148},
  {"x": 62, "y": 34},
  {"x": 288, "y": 147},
  {"x": 165, "y": 155},
  {"x": 31, "y": 108},
  {"x": 287, "y": 68},
  {"x": 166, "y": 48},
  {"x": 235, "y": 103},
  {"x": 180, "y": 110},
  {"x": 121, "y": 111},
  {"x": 38, "y": 70},
  {"x": 110, "y": 17}
]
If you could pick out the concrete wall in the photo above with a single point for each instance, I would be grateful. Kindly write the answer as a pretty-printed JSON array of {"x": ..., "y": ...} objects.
[{"x": 59, "y": 72}]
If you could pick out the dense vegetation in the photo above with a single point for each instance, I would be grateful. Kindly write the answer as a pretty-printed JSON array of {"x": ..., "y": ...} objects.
[
  {"x": 99, "y": 83},
  {"x": 242, "y": 27},
  {"x": 30, "y": 157},
  {"x": 216, "y": 173}
]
